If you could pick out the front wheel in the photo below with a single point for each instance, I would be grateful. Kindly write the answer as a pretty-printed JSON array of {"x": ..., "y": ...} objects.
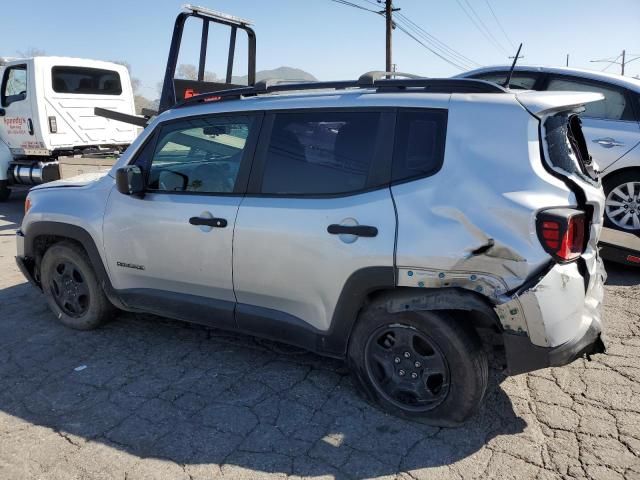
[
  {"x": 72, "y": 289},
  {"x": 622, "y": 204},
  {"x": 425, "y": 366}
]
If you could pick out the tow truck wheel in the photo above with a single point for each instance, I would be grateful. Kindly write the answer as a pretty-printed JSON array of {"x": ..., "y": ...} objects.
[
  {"x": 4, "y": 191},
  {"x": 72, "y": 289},
  {"x": 622, "y": 204}
]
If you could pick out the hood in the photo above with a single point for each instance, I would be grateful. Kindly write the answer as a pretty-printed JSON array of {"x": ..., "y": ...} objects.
[
  {"x": 77, "y": 181},
  {"x": 545, "y": 103}
]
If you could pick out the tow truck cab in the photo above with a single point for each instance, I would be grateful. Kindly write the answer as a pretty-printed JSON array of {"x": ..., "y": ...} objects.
[{"x": 47, "y": 111}]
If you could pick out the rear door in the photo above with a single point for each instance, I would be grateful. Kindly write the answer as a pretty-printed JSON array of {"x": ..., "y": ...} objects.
[
  {"x": 319, "y": 209},
  {"x": 170, "y": 251},
  {"x": 16, "y": 117},
  {"x": 610, "y": 126}
]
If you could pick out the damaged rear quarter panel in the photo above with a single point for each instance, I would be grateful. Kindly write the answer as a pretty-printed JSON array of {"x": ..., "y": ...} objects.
[{"x": 477, "y": 214}]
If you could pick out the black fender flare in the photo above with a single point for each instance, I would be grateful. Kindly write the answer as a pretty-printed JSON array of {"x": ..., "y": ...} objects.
[{"x": 78, "y": 234}]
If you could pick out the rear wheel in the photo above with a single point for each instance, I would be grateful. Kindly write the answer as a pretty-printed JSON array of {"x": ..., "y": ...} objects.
[
  {"x": 71, "y": 288},
  {"x": 425, "y": 366},
  {"x": 622, "y": 205}
]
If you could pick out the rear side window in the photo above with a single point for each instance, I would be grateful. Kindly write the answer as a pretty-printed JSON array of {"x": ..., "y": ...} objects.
[
  {"x": 88, "y": 81},
  {"x": 316, "y": 153},
  {"x": 613, "y": 107},
  {"x": 14, "y": 85},
  {"x": 419, "y": 144}
]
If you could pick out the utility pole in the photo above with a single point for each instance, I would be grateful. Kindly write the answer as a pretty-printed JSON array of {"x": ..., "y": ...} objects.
[
  {"x": 388, "y": 15},
  {"x": 567, "y": 59},
  {"x": 622, "y": 64},
  {"x": 388, "y": 12}
]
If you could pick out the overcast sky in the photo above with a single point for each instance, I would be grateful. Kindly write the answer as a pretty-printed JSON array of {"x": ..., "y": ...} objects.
[{"x": 331, "y": 40}]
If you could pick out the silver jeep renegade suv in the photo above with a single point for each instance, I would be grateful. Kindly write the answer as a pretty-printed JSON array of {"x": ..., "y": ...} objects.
[{"x": 384, "y": 221}]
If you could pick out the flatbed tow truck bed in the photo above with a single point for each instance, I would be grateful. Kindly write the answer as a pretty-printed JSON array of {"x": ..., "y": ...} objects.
[{"x": 620, "y": 247}]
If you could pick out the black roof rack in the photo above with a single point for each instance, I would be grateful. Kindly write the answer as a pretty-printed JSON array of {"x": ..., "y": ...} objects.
[{"x": 370, "y": 80}]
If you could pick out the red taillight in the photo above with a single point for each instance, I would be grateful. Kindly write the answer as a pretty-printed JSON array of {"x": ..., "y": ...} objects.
[{"x": 562, "y": 232}]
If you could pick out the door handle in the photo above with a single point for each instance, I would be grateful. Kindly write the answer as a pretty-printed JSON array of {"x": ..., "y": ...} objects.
[
  {"x": 608, "y": 142},
  {"x": 3, "y": 112},
  {"x": 358, "y": 230},
  {"x": 30, "y": 126},
  {"x": 210, "y": 222}
]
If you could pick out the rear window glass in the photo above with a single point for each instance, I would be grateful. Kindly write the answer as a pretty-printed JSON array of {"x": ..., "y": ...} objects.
[
  {"x": 81, "y": 80},
  {"x": 319, "y": 153},
  {"x": 419, "y": 145}
]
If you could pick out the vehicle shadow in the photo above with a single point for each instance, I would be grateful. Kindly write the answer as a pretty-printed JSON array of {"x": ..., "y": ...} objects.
[
  {"x": 156, "y": 388},
  {"x": 622, "y": 275}
]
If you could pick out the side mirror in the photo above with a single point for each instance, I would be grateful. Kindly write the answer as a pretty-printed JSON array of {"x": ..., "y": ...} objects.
[{"x": 129, "y": 180}]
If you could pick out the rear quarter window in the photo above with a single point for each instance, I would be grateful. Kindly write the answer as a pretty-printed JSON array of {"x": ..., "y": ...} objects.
[
  {"x": 419, "y": 144},
  {"x": 87, "y": 81}
]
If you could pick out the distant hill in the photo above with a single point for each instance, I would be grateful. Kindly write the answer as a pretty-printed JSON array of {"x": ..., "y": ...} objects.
[{"x": 280, "y": 73}]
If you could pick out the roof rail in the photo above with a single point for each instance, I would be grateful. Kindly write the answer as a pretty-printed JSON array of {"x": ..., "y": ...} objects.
[
  {"x": 369, "y": 78},
  {"x": 367, "y": 81}
]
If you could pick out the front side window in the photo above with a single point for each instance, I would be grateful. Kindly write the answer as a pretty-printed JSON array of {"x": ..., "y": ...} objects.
[
  {"x": 200, "y": 155},
  {"x": 14, "y": 85},
  {"x": 613, "y": 107},
  {"x": 319, "y": 153},
  {"x": 519, "y": 80},
  {"x": 88, "y": 81},
  {"x": 419, "y": 145}
]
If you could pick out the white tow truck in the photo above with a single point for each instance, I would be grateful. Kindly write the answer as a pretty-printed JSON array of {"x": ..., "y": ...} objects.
[{"x": 48, "y": 127}]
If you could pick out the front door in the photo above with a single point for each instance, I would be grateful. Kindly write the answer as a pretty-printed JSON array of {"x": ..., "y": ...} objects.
[
  {"x": 318, "y": 211},
  {"x": 16, "y": 120},
  {"x": 170, "y": 252}
]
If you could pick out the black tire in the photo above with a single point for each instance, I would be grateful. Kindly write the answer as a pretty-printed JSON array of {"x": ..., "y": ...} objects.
[
  {"x": 72, "y": 289},
  {"x": 613, "y": 181},
  {"x": 4, "y": 192},
  {"x": 438, "y": 334}
]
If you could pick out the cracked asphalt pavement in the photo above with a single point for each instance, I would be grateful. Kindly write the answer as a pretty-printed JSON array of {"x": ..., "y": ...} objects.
[{"x": 149, "y": 398}]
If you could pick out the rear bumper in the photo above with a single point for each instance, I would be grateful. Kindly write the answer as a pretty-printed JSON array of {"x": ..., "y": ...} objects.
[
  {"x": 558, "y": 319},
  {"x": 523, "y": 356}
]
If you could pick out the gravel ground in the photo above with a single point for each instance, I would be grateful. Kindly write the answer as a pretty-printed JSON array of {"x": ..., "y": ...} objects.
[{"x": 147, "y": 398}]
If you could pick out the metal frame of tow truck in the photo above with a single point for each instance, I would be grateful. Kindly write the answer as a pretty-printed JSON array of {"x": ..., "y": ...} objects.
[{"x": 168, "y": 96}]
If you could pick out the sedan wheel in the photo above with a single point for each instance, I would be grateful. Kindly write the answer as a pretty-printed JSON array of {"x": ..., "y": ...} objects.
[{"x": 622, "y": 206}]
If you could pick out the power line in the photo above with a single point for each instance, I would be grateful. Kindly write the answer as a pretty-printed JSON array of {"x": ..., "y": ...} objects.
[
  {"x": 625, "y": 61},
  {"x": 437, "y": 43},
  {"x": 433, "y": 41},
  {"x": 350, "y": 4},
  {"x": 403, "y": 29},
  {"x": 484, "y": 26},
  {"x": 486, "y": 34},
  {"x": 416, "y": 35},
  {"x": 404, "y": 24},
  {"x": 495, "y": 17}
]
